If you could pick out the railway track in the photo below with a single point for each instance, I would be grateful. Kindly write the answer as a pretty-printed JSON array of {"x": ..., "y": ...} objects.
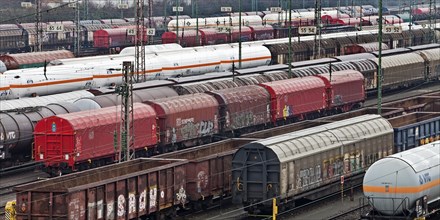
[
  {"x": 14, "y": 176},
  {"x": 25, "y": 173}
]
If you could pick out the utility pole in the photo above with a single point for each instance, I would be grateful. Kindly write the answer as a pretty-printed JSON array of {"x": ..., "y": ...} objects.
[
  {"x": 379, "y": 69},
  {"x": 77, "y": 44},
  {"x": 38, "y": 27},
  {"x": 239, "y": 34},
  {"x": 410, "y": 14},
  {"x": 127, "y": 127},
  {"x": 150, "y": 21},
  {"x": 139, "y": 41},
  {"x": 431, "y": 23},
  {"x": 290, "y": 40},
  {"x": 317, "y": 39},
  {"x": 86, "y": 9},
  {"x": 177, "y": 21},
  {"x": 197, "y": 23}
]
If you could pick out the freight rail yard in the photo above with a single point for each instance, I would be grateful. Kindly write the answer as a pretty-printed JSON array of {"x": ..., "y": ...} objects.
[{"x": 253, "y": 110}]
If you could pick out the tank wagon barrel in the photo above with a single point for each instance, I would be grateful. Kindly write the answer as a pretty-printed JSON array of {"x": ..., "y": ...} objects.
[{"x": 404, "y": 184}]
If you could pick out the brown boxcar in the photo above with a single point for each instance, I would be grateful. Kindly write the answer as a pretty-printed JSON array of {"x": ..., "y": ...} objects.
[
  {"x": 208, "y": 172},
  {"x": 186, "y": 118},
  {"x": 127, "y": 190},
  {"x": 296, "y": 97},
  {"x": 242, "y": 107},
  {"x": 71, "y": 139}
]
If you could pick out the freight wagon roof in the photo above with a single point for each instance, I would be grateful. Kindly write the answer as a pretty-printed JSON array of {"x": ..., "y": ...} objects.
[
  {"x": 357, "y": 56},
  {"x": 400, "y": 60},
  {"x": 431, "y": 54},
  {"x": 198, "y": 78},
  {"x": 261, "y": 69},
  {"x": 12, "y": 32},
  {"x": 312, "y": 62},
  {"x": 100, "y": 176},
  {"x": 243, "y": 93},
  {"x": 424, "y": 47},
  {"x": 392, "y": 52},
  {"x": 110, "y": 32},
  {"x": 344, "y": 76},
  {"x": 370, "y": 47},
  {"x": 186, "y": 102},
  {"x": 337, "y": 134},
  {"x": 88, "y": 119},
  {"x": 422, "y": 157},
  {"x": 13, "y": 61},
  {"x": 44, "y": 100},
  {"x": 293, "y": 85}
]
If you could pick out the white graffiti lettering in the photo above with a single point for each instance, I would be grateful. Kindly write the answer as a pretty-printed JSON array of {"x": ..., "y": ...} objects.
[
  {"x": 110, "y": 210},
  {"x": 121, "y": 205},
  {"x": 91, "y": 206},
  {"x": 142, "y": 201},
  {"x": 202, "y": 181},
  {"x": 100, "y": 211},
  {"x": 206, "y": 127},
  {"x": 153, "y": 196},
  {"x": 181, "y": 196},
  {"x": 74, "y": 209},
  {"x": 131, "y": 203}
]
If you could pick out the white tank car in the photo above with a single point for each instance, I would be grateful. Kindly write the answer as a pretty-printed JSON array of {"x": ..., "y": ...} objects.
[
  {"x": 213, "y": 22},
  {"x": 393, "y": 184},
  {"x": 2, "y": 67},
  {"x": 128, "y": 51},
  {"x": 185, "y": 62}
]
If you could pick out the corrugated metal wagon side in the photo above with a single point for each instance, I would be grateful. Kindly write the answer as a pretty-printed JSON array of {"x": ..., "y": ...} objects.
[
  {"x": 208, "y": 170},
  {"x": 424, "y": 128},
  {"x": 184, "y": 119},
  {"x": 243, "y": 108},
  {"x": 128, "y": 190},
  {"x": 299, "y": 164}
]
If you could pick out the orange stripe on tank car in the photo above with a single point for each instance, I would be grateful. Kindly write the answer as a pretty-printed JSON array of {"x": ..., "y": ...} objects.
[
  {"x": 403, "y": 189},
  {"x": 247, "y": 59},
  {"x": 191, "y": 66},
  {"x": 49, "y": 83},
  {"x": 5, "y": 88},
  {"x": 107, "y": 76}
]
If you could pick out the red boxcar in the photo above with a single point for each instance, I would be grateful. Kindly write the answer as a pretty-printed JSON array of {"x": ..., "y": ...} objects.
[
  {"x": 243, "y": 107},
  {"x": 70, "y": 139},
  {"x": 187, "y": 38},
  {"x": 296, "y": 97},
  {"x": 246, "y": 34},
  {"x": 363, "y": 48},
  {"x": 211, "y": 36},
  {"x": 262, "y": 32},
  {"x": 347, "y": 89},
  {"x": 116, "y": 37},
  {"x": 328, "y": 18},
  {"x": 186, "y": 117}
]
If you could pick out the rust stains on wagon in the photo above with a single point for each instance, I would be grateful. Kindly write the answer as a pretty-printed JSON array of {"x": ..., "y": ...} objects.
[{"x": 121, "y": 191}]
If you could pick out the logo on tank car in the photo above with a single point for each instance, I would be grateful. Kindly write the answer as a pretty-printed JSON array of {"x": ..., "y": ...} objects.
[
  {"x": 424, "y": 178},
  {"x": 54, "y": 127}
]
